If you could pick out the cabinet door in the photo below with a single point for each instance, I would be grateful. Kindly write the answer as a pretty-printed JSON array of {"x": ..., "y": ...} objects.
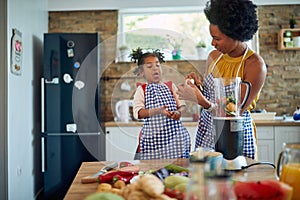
[
  {"x": 192, "y": 130},
  {"x": 265, "y": 150},
  {"x": 265, "y": 143},
  {"x": 121, "y": 142},
  {"x": 285, "y": 134}
]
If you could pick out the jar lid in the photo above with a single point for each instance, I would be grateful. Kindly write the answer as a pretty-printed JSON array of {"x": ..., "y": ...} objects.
[
  {"x": 194, "y": 159},
  {"x": 288, "y": 33}
]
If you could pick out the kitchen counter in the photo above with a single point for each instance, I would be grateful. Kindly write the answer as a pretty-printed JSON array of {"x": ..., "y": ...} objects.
[
  {"x": 79, "y": 191},
  {"x": 276, "y": 122}
]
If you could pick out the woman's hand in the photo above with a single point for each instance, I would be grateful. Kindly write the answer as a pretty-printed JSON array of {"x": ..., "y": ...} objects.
[
  {"x": 195, "y": 77},
  {"x": 188, "y": 91}
]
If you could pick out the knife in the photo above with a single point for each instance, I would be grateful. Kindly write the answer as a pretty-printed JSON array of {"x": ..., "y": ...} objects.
[{"x": 94, "y": 178}]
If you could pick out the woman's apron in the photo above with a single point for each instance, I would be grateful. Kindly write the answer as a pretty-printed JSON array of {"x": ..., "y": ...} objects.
[
  {"x": 162, "y": 137},
  {"x": 204, "y": 136}
]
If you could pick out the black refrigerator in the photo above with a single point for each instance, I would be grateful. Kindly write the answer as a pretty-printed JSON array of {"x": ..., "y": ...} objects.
[{"x": 70, "y": 109}]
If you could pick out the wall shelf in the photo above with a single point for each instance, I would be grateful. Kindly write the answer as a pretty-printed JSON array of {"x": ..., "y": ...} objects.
[{"x": 281, "y": 43}]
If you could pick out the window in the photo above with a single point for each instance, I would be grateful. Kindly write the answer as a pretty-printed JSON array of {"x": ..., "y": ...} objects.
[{"x": 164, "y": 30}]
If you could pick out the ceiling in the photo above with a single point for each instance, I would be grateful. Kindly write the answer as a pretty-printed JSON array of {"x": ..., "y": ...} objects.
[{"x": 61, "y": 5}]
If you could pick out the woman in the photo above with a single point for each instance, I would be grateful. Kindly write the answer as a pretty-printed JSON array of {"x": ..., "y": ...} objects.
[
  {"x": 232, "y": 23},
  {"x": 163, "y": 134}
]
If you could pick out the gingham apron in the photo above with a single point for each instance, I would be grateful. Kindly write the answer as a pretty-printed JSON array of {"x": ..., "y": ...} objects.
[
  {"x": 204, "y": 136},
  {"x": 162, "y": 137}
]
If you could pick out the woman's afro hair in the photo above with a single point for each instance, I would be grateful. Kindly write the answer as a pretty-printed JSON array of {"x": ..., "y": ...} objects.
[{"x": 235, "y": 18}]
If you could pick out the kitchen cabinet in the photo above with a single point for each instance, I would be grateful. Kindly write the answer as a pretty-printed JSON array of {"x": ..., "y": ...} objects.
[
  {"x": 265, "y": 143},
  {"x": 121, "y": 142},
  {"x": 282, "y": 39},
  {"x": 288, "y": 134},
  {"x": 271, "y": 138}
]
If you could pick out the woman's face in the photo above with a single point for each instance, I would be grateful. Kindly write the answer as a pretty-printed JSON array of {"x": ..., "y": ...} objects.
[
  {"x": 222, "y": 42},
  {"x": 152, "y": 70}
]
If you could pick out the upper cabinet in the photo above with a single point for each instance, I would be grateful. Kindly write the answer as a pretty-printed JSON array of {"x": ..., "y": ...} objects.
[{"x": 289, "y": 39}]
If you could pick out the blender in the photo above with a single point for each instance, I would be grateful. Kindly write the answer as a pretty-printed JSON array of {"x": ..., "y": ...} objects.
[{"x": 228, "y": 124}]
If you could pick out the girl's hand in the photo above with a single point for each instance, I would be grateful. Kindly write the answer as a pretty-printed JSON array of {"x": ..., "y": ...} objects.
[
  {"x": 163, "y": 110},
  {"x": 175, "y": 115}
]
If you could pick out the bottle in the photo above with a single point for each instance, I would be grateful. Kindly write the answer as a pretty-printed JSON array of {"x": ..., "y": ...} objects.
[
  {"x": 296, "y": 115},
  {"x": 196, "y": 186}
]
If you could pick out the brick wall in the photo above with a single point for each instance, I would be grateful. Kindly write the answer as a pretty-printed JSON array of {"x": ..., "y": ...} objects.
[{"x": 280, "y": 93}]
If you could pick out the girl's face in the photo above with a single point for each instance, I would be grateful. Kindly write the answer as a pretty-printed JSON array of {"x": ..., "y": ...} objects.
[
  {"x": 151, "y": 70},
  {"x": 222, "y": 42}
]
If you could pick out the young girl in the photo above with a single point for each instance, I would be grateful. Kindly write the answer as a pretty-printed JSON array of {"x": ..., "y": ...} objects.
[{"x": 162, "y": 135}]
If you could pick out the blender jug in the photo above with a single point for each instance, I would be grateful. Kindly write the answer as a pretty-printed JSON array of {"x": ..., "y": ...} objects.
[
  {"x": 228, "y": 125},
  {"x": 228, "y": 96}
]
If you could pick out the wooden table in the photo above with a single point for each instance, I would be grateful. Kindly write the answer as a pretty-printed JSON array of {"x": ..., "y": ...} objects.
[{"x": 79, "y": 191}]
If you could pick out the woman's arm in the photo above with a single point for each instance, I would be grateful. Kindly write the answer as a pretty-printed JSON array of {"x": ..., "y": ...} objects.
[{"x": 254, "y": 72}]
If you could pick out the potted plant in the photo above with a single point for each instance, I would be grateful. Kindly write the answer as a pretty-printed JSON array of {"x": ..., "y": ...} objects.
[
  {"x": 292, "y": 22},
  {"x": 201, "y": 49},
  {"x": 201, "y": 44},
  {"x": 175, "y": 43}
]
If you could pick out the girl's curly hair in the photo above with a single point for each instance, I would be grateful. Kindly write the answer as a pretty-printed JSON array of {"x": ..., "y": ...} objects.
[
  {"x": 235, "y": 18},
  {"x": 137, "y": 56}
]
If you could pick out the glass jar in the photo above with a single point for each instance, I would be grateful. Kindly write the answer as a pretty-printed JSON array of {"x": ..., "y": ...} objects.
[
  {"x": 196, "y": 186},
  {"x": 220, "y": 187},
  {"x": 288, "y": 167}
]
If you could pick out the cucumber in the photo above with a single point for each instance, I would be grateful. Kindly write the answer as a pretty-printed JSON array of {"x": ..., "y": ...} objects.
[{"x": 175, "y": 168}]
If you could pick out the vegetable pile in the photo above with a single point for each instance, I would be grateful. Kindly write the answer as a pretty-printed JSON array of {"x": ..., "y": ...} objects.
[
  {"x": 170, "y": 183},
  {"x": 164, "y": 184}
]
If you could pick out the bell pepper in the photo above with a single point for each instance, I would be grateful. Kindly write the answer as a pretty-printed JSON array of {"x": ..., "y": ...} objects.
[
  {"x": 109, "y": 177},
  {"x": 125, "y": 178}
]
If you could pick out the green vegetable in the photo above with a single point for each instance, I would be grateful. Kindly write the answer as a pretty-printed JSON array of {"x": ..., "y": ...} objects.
[
  {"x": 174, "y": 180},
  {"x": 104, "y": 196},
  {"x": 175, "y": 168}
]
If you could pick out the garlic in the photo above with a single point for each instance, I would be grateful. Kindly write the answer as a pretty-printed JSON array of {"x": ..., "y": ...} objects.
[{"x": 191, "y": 80}]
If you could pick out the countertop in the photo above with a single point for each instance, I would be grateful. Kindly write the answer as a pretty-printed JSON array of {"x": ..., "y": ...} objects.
[
  {"x": 278, "y": 121},
  {"x": 79, "y": 191}
]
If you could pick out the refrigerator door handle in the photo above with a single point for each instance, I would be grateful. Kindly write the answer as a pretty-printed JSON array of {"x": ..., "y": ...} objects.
[
  {"x": 43, "y": 105},
  {"x": 43, "y": 154}
]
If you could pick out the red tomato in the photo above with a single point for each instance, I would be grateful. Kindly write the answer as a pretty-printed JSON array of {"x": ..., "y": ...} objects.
[{"x": 170, "y": 193}]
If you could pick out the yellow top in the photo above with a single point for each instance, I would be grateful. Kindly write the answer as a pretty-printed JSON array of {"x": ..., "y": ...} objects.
[{"x": 229, "y": 67}]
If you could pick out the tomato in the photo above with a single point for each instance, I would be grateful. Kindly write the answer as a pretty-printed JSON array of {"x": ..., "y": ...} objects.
[
  {"x": 170, "y": 193},
  {"x": 174, "y": 193}
]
